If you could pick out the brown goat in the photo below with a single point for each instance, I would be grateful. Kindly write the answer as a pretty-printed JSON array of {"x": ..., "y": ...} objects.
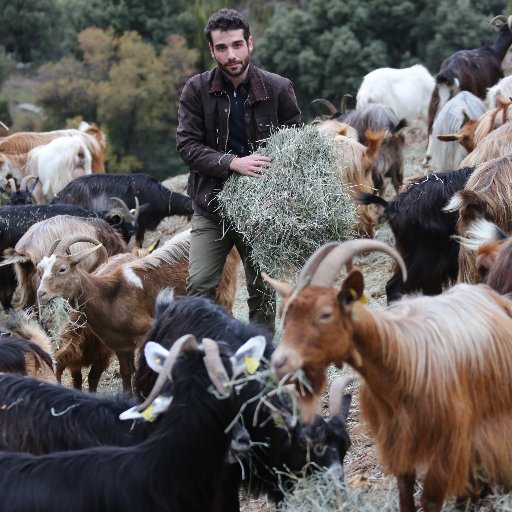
[
  {"x": 118, "y": 298},
  {"x": 497, "y": 143},
  {"x": 473, "y": 131},
  {"x": 487, "y": 194},
  {"x": 356, "y": 162},
  {"x": 431, "y": 367}
]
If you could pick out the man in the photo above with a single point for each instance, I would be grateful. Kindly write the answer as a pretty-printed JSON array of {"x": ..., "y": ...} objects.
[{"x": 224, "y": 114}]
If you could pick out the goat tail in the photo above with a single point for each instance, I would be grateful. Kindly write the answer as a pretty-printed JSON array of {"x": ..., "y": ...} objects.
[{"x": 367, "y": 199}]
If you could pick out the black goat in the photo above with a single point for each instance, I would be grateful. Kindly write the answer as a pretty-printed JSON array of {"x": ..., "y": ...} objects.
[
  {"x": 179, "y": 468},
  {"x": 16, "y": 220},
  {"x": 423, "y": 232},
  {"x": 23, "y": 195},
  {"x": 95, "y": 191},
  {"x": 471, "y": 70},
  {"x": 278, "y": 447}
]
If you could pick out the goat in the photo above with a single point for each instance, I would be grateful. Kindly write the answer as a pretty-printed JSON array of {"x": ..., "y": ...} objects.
[
  {"x": 471, "y": 70},
  {"x": 335, "y": 127},
  {"x": 159, "y": 474},
  {"x": 277, "y": 447},
  {"x": 442, "y": 154},
  {"x": 494, "y": 145},
  {"x": 473, "y": 131},
  {"x": 487, "y": 194},
  {"x": 25, "y": 348},
  {"x": 431, "y": 367},
  {"x": 118, "y": 298},
  {"x": 23, "y": 195},
  {"x": 423, "y": 231},
  {"x": 356, "y": 162},
  {"x": 95, "y": 192},
  {"x": 502, "y": 89},
  {"x": 492, "y": 248},
  {"x": 406, "y": 91},
  {"x": 377, "y": 117},
  {"x": 22, "y": 142}
]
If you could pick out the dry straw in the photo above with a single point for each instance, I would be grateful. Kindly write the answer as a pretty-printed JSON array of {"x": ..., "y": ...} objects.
[{"x": 298, "y": 205}]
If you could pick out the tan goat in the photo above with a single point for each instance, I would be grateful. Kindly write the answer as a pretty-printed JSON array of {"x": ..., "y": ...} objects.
[
  {"x": 437, "y": 392},
  {"x": 118, "y": 298}
]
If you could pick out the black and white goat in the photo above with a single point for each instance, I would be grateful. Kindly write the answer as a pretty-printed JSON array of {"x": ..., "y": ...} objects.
[
  {"x": 178, "y": 468},
  {"x": 282, "y": 448},
  {"x": 95, "y": 192},
  {"x": 423, "y": 232}
]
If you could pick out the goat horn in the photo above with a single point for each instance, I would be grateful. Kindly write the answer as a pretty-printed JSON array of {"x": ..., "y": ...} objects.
[
  {"x": 185, "y": 342},
  {"x": 127, "y": 216},
  {"x": 311, "y": 265},
  {"x": 328, "y": 268},
  {"x": 338, "y": 386},
  {"x": 26, "y": 180},
  {"x": 326, "y": 103},
  {"x": 500, "y": 17},
  {"x": 63, "y": 246},
  {"x": 136, "y": 212},
  {"x": 214, "y": 367},
  {"x": 52, "y": 247}
]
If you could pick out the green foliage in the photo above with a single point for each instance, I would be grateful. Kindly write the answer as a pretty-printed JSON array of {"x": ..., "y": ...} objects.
[
  {"x": 327, "y": 46},
  {"x": 129, "y": 89},
  {"x": 5, "y": 66}
]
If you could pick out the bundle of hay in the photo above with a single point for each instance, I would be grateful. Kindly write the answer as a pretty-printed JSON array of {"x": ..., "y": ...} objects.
[
  {"x": 298, "y": 205},
  {"x": 322, "y": 492}
]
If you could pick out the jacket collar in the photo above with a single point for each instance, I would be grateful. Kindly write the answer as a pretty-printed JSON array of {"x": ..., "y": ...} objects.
[{"x": 257, "y": 90}]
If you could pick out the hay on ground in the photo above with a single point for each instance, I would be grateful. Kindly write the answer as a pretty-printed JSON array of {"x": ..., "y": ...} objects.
[{"x": 298, "y": 205}]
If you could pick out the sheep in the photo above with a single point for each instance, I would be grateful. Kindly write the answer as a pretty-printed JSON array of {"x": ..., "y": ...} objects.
[
  {"x": 118, "y": 297},
  {"x": 160, "y": 474},
  {"x": 423, "y": 232},
  {"x": 487, "y": 194},
  {"x": 471, "y": 70},
  {"x": 22, "y": 142},
  {"x": 278, "y": 448},
  {"x": 95, "y": 193},
  {"x": 25, "y": 348},
  {"x": 406, "y": 91},
  {"x": 431, "y": 367},
  {"x": 448, "y": 155}
]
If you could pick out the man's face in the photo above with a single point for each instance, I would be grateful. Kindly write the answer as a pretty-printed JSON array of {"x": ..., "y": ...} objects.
[{"x": 231, "y": 51}]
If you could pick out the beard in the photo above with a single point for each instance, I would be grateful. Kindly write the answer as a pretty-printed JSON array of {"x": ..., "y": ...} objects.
[{"x": 239, "y": 71}]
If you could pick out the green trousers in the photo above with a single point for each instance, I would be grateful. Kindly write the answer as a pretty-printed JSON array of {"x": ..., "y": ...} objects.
[{"x": 209, "y": 247}]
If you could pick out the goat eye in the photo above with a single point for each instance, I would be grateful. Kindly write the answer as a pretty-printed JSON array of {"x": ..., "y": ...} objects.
[
  {"x": 62, "y": 270},
  {"x": 325, "y": 316},
  {"x": 319, "y": 449}
]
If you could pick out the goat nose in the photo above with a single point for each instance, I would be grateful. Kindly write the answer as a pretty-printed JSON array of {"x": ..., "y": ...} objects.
[{"x": 40, "y": 295}]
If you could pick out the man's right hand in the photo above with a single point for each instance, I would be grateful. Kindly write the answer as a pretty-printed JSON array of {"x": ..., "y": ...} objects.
[{"x": 253, "y": 165}]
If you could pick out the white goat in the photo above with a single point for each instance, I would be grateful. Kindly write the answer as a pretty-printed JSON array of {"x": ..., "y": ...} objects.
[{"x": 406, "y": 91}]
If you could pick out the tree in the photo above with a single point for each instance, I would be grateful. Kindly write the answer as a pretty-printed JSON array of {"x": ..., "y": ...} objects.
[
  {"x": 327, "y": 46},
  {"x": 123, "y": 84}
]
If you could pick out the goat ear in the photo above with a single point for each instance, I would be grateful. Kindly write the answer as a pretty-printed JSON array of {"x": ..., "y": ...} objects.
[
  {"x": 449, "y": 137},
  {"x": 351, "y": 290},
  {"x": 247, "y": 358},
  {"x": 155, "y": 355}
]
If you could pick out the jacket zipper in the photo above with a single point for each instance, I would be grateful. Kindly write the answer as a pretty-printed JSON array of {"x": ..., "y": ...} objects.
[{"x": 227, "y": 123}]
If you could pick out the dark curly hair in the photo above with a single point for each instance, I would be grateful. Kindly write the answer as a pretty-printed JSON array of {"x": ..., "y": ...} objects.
[{"x": 226, "y": 19}]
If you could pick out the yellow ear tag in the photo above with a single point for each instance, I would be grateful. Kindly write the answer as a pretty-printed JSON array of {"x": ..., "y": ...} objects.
[
  {"x": 353, "y": 293},
  {"x": 364, "y": 299},
  {"x": 251, "y": 365},
  {"x": 147, "y": 414}
]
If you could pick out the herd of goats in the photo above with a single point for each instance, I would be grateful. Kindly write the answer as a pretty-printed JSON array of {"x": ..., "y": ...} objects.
[{"x": 210, "y": 405}]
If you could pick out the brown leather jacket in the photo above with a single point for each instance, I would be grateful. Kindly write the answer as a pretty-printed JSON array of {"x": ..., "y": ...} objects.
[{"x": 203, "y": 127}]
